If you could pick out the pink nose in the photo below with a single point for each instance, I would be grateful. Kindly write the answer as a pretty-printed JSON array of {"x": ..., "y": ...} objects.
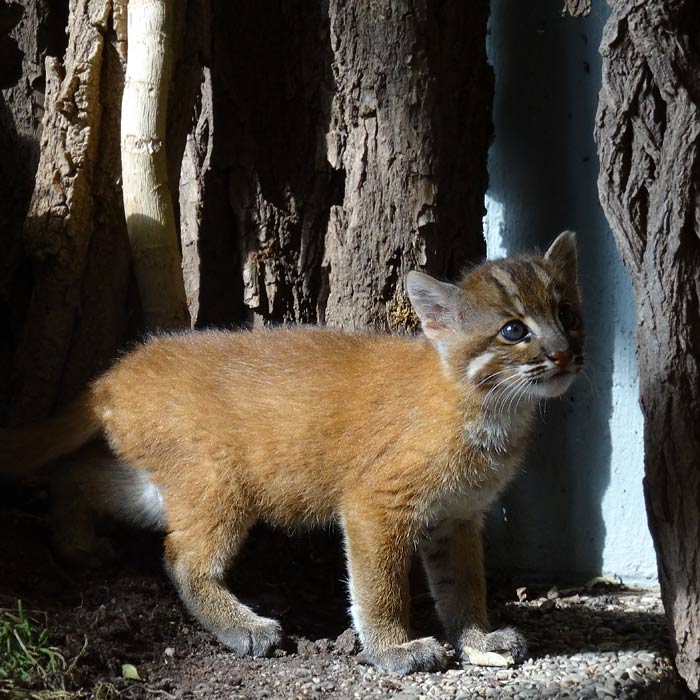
[{"x": 560, "y": 359}]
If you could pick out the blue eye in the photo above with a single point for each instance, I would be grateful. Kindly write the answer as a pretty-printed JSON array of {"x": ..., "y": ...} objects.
[{"x": 514, "y": 331}]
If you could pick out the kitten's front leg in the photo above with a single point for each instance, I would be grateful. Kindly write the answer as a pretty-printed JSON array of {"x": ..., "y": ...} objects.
[
  {"x": 453, "y": 560},
  {"x": 379, "y": 557}
]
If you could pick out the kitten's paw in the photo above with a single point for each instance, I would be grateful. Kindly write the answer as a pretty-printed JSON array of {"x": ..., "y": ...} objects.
[
  {"x": 484, "y": 648},
  {"x": 254, "y": 638},
  {"x": 426, "y": 654}
]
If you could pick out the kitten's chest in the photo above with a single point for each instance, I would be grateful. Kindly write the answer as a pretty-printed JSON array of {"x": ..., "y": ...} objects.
[
  {"x": 472, "y": 496},
  {"x": 492, "y": 452}
]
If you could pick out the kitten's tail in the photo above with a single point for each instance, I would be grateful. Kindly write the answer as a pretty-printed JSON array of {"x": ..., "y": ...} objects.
[{"x": 25, "y": 450}]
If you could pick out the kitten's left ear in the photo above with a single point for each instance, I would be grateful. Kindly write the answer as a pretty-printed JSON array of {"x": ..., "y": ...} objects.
[
  {"x": 439, "y": 305},
  {"x": 563, "y": 253}
]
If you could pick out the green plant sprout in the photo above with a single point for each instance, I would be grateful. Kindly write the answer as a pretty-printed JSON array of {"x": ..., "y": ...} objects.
[{"x": 24, "y": 646}]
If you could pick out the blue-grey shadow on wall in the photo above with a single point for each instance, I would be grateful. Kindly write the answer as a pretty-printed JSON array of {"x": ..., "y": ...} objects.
[{"x": 543, "y": 171}]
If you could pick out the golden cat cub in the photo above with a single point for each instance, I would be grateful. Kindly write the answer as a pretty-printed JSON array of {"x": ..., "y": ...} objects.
[{"x": 404, "y": 442}]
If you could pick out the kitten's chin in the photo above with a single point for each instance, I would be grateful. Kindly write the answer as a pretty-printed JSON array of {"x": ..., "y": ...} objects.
[{"x": 554, "y": 386}]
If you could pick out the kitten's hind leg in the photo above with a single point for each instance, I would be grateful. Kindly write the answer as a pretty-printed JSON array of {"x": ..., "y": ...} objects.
[
  {"x": 92, "y": 483},
  {"x": 77, "y": 490},
  {"x": 453, "y": 560},
  {"x": 198, "y": 551},
  {"x": 379, "y": 557},
  {"x": 72, "y": 518}
]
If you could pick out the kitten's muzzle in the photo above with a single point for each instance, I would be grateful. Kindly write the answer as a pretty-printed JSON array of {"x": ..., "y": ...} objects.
[{"x": 561, "y": 359}]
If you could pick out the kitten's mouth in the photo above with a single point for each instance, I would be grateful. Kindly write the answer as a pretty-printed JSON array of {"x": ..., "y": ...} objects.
[
  {"x": 552, "y": 374},
  {"x": 553, "y": 384},
  {"x": 560, "y": 373}
]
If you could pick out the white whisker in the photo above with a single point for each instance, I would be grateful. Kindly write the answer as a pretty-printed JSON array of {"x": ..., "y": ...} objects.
[
  {"x": 513, "y": 390},
  {"x": 523, "y": 393},
  {"x": 518, "y": 394},
  {"x": 501, "y": 398},
  {"x": 497, "y": 386},
  {"x": 508, "y": 396},
  {"x": 494, "y": 374}
]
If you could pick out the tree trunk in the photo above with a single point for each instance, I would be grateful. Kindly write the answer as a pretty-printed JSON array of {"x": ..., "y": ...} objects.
[
  {"x": 648, "y": 130},
  {"x": 148, "y": 202},
  {"x": 83, "y": 302},
  {"x": 40, "y": 33},
  {"x": 77, "y": 312},
  {"x": 335, "y": 146},
  {"x": 339, "y": 144},
  {"x": 10, "y": 55}
]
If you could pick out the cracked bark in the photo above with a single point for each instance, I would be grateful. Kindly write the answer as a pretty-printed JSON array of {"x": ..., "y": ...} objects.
[
  {"x": 74, "y": 230},
  {"x": 39, "y": 33},
  {"x": 83, "y": 302},
  {"x": 334, "y": 146},
  {"x": 648, "y": 136},
  {"x": 350, "y": 147}
]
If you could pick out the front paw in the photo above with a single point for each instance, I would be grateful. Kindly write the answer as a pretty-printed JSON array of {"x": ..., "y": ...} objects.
[
  {"x": 503, "y": 647},
  {"x": 258, "y": 637},
  {"x": 426, "y": 654}
]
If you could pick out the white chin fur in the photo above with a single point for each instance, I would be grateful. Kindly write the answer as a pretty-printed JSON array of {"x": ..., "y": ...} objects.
[{"x": 549, "y": 388}]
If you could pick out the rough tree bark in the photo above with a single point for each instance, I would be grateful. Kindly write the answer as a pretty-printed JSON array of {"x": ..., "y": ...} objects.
[
  {"x": 68, "y": 333},
  {"x": 648, "y": 135},
  {"x": 335, "y": 146},
  {"x": 40, "y": 32},
  {"x": 83, "y": 303},
  {"x": 338, "y": 145},
  {"x": 10, "y": 54}
]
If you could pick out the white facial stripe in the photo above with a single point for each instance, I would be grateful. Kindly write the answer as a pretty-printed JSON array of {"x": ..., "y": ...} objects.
[
  {"x": 532, "y": 325},
  {"x": 503, "y": 278},
  {"x": 543, "y": 275},
  {"x": 518, "y": 306},
  {"x": 478, "y": 363}
]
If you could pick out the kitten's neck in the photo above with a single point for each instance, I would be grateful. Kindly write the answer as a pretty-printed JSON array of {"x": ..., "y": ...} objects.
[
  {"x": 488, "y": 426},
  {"x": 500, "y": 432}
]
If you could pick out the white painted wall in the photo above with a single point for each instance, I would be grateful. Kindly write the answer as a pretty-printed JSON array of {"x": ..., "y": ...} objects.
[{"x": 578, "y": 509}]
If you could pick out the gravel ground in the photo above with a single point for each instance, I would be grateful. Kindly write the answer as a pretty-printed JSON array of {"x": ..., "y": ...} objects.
[
  {"x": 591, "y": 644},
  {"x": 597, "y": 641}
]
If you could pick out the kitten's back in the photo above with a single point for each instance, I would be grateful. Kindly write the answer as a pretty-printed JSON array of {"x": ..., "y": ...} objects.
[{"x": 301, "y": 413}]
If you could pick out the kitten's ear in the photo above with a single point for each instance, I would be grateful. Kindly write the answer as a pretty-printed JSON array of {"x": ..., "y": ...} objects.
[
  {"x": 438, "y": 304},
  {"x": 563, "y": 253}
]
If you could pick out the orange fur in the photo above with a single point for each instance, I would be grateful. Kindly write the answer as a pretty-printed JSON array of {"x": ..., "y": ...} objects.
[{"x": 404, "y": 441}]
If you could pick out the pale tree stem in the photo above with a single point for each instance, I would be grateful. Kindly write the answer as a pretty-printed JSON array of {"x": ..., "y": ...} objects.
[{"x": 147, "y": 199}]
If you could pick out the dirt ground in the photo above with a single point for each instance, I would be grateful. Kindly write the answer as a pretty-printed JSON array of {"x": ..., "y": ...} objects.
[{"x": 128, "y": 613}]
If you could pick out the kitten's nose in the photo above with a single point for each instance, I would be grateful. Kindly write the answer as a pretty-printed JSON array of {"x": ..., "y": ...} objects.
[{"x": 561, "y": 359}]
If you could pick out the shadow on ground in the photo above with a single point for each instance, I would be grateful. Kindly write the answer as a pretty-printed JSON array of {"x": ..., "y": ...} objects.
[{"x": 128, "y": 613}]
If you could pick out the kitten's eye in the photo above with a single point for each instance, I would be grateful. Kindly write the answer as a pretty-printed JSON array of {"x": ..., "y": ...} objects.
[
  {"x": 567, "y": 317},
  {"x": 515, "y": 331}
]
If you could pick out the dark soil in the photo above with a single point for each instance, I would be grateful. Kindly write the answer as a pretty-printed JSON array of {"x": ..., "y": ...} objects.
[{"x": 127, "y": 612}]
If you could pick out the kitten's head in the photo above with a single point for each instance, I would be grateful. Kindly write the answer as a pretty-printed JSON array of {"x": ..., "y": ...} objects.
[{"x": 511, "y": 327}]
